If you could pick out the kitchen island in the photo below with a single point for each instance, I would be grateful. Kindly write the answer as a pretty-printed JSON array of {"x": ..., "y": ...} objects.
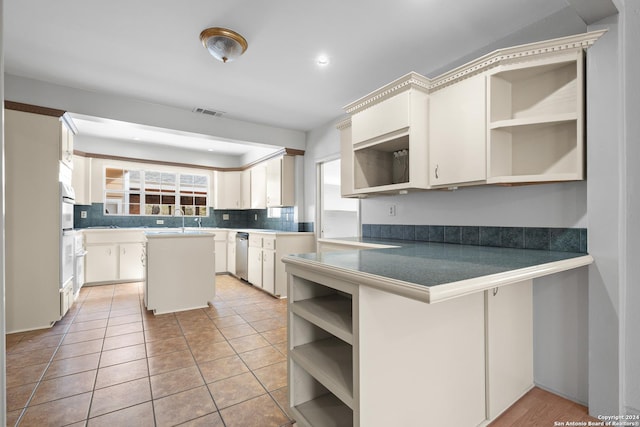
[
  {"x": 180, "y": 270},
  {"x": 407, "y": 333}
]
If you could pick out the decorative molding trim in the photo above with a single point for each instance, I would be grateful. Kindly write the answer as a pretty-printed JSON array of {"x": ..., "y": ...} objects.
[
  {"x": 344, "y": 124},
  {"x": 523, "y": 53},
  {"x": 411, "y": 80},
  {"x": 35, "y": 109}
]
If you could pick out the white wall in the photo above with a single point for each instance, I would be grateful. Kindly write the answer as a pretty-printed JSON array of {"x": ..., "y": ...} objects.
[
  {"x": 631, "y": 337},
  {"x": 544, "y": 205},
  {"x": 3, "y": 378},
  {"x": 604, "y": 192},
  {"x": 114, "y": 107}
]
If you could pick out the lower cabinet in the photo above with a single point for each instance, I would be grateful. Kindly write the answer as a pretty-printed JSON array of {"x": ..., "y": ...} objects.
[
  {"x": 265, "y": 268},
  {"x": 359, "y": 356},
  {"x": 101, "y": 263},
  {"x": 131, "y": 261},
  {"x": 221, "y": 251},
  {"x": 114, "y": 256},
  {"x": 231, "y": 252}
]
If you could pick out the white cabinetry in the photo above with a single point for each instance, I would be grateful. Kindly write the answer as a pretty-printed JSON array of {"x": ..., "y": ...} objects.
[
  {"x": 437, "y": 355},
  {"x": 101, "y": 263},
  {"x": 512, "y": 116},
  {"x": 265, "y": 252},
  {"x": 231, "y": 252},
  {"x": 280, "y": 180},
  {"x": 32, "y": 218},
  {"x": 67, "y": 131},
  {"x": 509, "y": 345},
  {"x": 180, "y": 272},
  {"x": 536, "y": 120},
  {"x": 457, "y": 133},
  {"x": 221, "y": 251},
  {"x": 228, "y": 189},
  {"x": 245, "y": 188},
  {"x": 254, "y": 260},
  {"x": 131, "y": 261},
  {"x": 346, "y": 159},
  {"x": 114, "y": 255},
  {"x": 259, "y": 186},
  {"x": 389, "y": 138},
  {"x": 81, "y": 179}
]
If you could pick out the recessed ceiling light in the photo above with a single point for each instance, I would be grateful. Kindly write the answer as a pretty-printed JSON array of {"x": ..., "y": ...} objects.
[
  {"x": 209, "y": 149},
  {"x": 136, "y": 138},
  {"x": 322, "y": 60}
]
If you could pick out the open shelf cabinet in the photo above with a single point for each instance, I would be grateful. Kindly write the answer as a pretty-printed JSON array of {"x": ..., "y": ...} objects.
[
  {"x": 322, "y": 364},
  {"x": 535, "y": 111}
]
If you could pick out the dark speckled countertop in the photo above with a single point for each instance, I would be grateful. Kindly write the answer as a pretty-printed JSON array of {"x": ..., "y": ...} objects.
[{"x": 438, "y": 269}]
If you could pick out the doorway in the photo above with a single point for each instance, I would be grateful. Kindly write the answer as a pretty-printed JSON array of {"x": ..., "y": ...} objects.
[{"x": 337, "y": 216}]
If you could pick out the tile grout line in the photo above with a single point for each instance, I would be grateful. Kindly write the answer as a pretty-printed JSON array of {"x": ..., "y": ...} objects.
[{"x": 44, "y": 371}]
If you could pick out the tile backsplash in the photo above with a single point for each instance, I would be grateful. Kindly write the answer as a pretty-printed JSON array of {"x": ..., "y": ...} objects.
[
  {"x": 252, "y": 218},
  {"x": 554, "y": 239}
]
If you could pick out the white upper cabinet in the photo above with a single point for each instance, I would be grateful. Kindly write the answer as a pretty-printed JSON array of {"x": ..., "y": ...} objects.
[
  {"x": 228, "y": 187},
  {"x": 457, "y": 133},
  {"x": 536, "y": 120},
  {"x": 259, "y": 186},
  {"x": 389, "y": 136},
  {"x": 280, "y": 181},
  {"x": 245, "y": 187},
  {"x": 515, "y": 115},
  {"x": 67, "y": 131}
]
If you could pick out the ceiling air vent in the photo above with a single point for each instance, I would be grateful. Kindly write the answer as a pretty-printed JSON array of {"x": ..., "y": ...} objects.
[{"x": 208, "y": 112}]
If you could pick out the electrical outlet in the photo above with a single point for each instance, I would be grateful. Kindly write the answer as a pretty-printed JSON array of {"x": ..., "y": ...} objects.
[
  {"x": 255, "y": 217},
  {"x": 225, "y": 217},
  {"x": 159, "y": 221},
  {"x": 391, "y": 210},
  {"x": 83, "y": 214}
]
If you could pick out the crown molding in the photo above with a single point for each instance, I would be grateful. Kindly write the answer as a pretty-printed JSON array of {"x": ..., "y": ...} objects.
[
  {"x": 343, "y": 124},
  {"x": 521, "y": 53}
]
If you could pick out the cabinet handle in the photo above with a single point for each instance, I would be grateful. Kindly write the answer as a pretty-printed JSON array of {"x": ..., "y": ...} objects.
[
  {"x": 495, "y": 291},
  {"x": 124, "y": 251},
  {"x": 437, "y": 166},
  {"x": 109, "y": 251}
]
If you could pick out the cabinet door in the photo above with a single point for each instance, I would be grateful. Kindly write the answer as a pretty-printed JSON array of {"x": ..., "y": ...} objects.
[
  {"x": 131, "y": 261},
  {"x": 509, "y": 345},
  {"x": 269, "y": 271},
  {"x": 231, "y": 256},
  {"x": 259, "y": 187},
  {"x": 228, "y": 190},
  {"x": 245, "y": 199},
  {"x": 101, "y": 263},
  {"x": 66, "y": 145},
  {"x": 457, "y": 133},
  {"x": 81, "y": 179},
  {"x": 346, "y": 162},
  {"x": 254, "y": 261},
  {"x": 280, "y": 181},
  {"x": 221, "y": 256}
]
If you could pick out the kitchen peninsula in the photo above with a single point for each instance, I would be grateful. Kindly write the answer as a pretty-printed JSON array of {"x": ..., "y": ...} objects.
[{"x": 446, "y": 330}]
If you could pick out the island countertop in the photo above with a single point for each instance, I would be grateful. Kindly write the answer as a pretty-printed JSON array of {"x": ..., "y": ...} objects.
[{"x": 433, "y": 272}]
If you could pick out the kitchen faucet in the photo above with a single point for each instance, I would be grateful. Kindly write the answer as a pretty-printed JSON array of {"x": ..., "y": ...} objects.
[
  {"x": 182, "y": 214},
  {"x": 199, "y": 221}
]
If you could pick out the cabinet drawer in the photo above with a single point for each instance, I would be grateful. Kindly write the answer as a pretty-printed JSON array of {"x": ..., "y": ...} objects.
[
  {"x": 268, "y": 243},
  {"x": 255, "y": 241}
]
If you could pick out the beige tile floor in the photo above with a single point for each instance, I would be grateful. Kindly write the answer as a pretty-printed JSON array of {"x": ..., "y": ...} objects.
[{"x": 110, "y": 362}]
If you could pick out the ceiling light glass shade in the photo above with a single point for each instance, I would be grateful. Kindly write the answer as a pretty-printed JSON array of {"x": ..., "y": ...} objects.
[{"x": 223, "y": 44}]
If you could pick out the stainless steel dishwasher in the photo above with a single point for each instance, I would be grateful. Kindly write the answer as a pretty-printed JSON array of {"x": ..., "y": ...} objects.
[{"x": 242, "y": 245}]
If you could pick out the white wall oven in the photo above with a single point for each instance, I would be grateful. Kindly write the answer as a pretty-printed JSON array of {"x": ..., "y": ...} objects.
[{"x": 67, "y": 252}]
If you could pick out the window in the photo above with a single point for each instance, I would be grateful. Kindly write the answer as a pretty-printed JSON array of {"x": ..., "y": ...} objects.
[{"x": 138, "y": 192}]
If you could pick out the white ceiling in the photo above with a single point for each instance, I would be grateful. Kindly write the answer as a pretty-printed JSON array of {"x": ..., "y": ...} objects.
[{"x": 149, "y": 49}]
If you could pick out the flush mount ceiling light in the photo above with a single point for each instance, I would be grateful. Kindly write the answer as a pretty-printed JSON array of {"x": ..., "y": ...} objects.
[{"x": 223, "y": 44}]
